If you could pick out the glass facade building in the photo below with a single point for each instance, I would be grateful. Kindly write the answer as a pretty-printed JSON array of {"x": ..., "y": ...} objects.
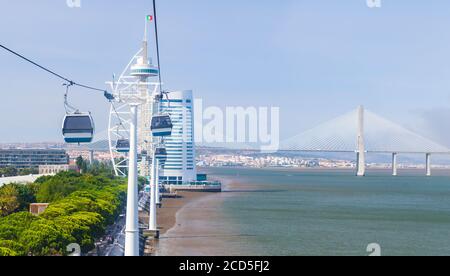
[{"x": 180, "y": 166}]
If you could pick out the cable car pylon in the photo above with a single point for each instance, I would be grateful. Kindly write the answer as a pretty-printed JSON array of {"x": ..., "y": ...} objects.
[{"x": 133, "y": 92}]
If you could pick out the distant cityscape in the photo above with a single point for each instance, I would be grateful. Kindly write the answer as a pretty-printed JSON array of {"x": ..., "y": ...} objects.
[
  {"x": 211, "y": 157},
  {"x": 72, "y": 151},
  {"x": 274, "y": 161}
]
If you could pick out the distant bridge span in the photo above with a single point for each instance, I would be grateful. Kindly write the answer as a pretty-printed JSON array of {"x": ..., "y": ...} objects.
[
  {"x": 360, "y": 132},
  {"x": 363, "y": 132}
]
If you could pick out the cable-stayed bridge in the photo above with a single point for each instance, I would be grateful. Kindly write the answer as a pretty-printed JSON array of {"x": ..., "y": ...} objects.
[
  {"x": 362, "y": 131},
  {"x": 359, "y": 131},
  {"x": 379, "y": 134}
]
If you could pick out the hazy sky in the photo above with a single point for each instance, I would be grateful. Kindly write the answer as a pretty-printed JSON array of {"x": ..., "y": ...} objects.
[{"x": 315, "y": 59}]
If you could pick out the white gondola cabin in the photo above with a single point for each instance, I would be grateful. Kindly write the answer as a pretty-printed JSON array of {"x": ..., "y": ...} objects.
[
  {"x": 161, "y": 155},
  {"x": 123, "y": 145},
  {"x": 78, "y": 128},
  {"x": 161, "y": 126}
]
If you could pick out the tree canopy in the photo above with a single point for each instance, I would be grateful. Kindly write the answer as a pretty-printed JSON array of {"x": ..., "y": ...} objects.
[{"x": 81, "y": 207}]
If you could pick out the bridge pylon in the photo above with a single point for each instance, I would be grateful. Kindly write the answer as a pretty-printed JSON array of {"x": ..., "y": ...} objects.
[
  {"x": 394, "y": 164},
  {"x": 428, "y": 164},
  {"x": 361, "y": 151}
]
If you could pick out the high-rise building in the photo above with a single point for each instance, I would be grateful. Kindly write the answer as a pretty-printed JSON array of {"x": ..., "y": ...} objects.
[{"x": 180, "y": 166}]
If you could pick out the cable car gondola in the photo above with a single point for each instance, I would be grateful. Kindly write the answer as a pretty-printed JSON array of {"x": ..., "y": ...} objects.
[
  {"x": 78, "y": 128},
  {"x": 161, "y": 125},
  {"x": 123, "y": 146},
  {"x": 161, "y": 155}
]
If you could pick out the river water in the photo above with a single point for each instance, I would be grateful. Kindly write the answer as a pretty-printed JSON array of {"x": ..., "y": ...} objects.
[{"x": 316, "y": 212}]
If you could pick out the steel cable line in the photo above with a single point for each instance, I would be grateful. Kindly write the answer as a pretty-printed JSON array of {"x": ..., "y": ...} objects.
[
  {"x": 157, "y": 46},
  {"x": 121, "y": 122},
  {"x": 66, "y": 80}
]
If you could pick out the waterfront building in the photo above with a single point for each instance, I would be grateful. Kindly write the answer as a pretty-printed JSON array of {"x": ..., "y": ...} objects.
[
  {"x": 54, "y": 169},
  {"x": 32, "y": 158},
  {"x": 180, "y": 166}
]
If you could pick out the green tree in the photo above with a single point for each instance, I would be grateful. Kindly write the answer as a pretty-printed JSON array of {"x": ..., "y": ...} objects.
[
  {"x": 59, "y": 186},
  {"x": 8, "y": 200},
  {"x": 26, "y": 195},
  {"x": 43, "y": 238},
  {"x": 100, "y": 168},
  {"x": 9, "y": 171},
  {"x": 12, "y": 226},
  {"x": 18, "y": 248},
  {"x": 81, "y": 164},
  {"x": 28, "y": 171},
  {"x": 81, "y": 207},
  {"x": 6, "y": 252}
]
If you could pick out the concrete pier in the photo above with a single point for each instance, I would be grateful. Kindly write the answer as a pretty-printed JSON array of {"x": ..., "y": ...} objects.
[
  {"x": 394, "y": 164},
  {"x": 428, "y": 164}
]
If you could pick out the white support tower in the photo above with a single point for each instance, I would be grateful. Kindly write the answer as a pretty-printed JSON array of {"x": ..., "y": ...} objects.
[
  {"x": 361, "y": 151},
  {"x": 132, "y": 94},
  {"x": 157, "y": 194},
  {"x": 154, "y": 183},
  {"x": 132, "y": 222},
  {"x": 394, "y": 164},
  {"x": 91, "y": 157},
  {"x": 153, "y": 186}
]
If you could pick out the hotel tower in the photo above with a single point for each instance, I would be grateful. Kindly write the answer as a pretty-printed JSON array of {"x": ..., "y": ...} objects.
[{"x": 180, "y": 165}]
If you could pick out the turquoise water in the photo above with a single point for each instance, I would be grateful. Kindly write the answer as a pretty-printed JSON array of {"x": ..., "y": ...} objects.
[{"x": 289, "y": 212}]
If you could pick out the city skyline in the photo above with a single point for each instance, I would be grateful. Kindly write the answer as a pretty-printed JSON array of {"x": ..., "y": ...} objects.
[{"x": 393, "y": 59}]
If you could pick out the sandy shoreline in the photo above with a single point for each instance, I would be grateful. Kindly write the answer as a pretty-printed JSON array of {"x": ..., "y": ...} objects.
[
  {"x": 166, "y": 215},
  {"x": 185, "y": 227}
]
